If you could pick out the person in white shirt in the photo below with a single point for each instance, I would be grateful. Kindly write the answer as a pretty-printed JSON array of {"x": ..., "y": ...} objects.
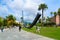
[{"x": 38, "y": 29}]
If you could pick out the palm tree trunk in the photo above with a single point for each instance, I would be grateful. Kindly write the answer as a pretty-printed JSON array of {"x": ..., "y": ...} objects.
[{"x": 42, "y": 18}]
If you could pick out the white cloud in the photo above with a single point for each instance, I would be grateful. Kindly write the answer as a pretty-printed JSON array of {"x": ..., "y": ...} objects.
[{"x": 18, "y": 5}]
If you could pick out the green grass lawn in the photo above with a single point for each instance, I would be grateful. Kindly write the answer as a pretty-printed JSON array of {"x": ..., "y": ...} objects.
[{"x": 51, "y": 32}]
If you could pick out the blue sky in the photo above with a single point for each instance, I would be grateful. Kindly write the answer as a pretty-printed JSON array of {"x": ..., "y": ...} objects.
[{"x": 29, "y": 7}]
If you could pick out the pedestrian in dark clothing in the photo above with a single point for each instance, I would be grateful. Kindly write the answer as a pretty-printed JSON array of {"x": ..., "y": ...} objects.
[
  {"x": 2, "y": 28},
  {"x": 19, "y": 27}
]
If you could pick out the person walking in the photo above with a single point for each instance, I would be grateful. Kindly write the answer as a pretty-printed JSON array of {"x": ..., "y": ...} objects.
[
  {"x": 2, "y": 28},
  {"x": 38, "y": 29},
  {"x": 19, "y": 27}
]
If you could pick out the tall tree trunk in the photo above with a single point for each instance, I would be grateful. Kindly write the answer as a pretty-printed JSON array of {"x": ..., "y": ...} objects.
[{"x": 42, "y": 18}]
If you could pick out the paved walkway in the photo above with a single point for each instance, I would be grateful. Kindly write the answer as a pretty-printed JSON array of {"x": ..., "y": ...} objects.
[{"x": 14, "y": 34}]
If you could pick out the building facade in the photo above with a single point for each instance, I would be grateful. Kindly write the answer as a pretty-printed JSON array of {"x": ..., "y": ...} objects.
[{"x": 56, "y": 19}]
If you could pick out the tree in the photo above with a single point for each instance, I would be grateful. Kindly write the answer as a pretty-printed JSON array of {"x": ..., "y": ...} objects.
[
  {"x": 48, "y": 19},
  {"x": 10, "y": 20},
  {"x": 1, "y": 21},
  {"x": 10, "y": 17},
  {"x": 59, "y": 11},
  {"x": 4, "y": 22},
  {"x": 38, "y": 24},
  {"x": 55, "y": 14},
  {"x": 51, "y": 13},
  {"x": 42, "y": 7},
  {"x": 39, "y": 20}
]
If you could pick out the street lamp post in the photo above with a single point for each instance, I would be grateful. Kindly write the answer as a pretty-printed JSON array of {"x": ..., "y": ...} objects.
[{"x": 22, "y": 19}]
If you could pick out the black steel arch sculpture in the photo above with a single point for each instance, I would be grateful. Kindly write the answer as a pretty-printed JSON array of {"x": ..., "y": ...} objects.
[{"x": 35, "y": 20}]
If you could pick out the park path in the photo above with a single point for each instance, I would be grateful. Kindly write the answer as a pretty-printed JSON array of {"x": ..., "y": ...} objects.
[{"x": 14, "y": 34}]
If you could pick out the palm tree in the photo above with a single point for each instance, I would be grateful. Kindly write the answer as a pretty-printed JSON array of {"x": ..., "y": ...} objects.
[
  {"x": 51, "y": 13},
  {"x": 59, "y": 11},
  {"x": 42, "y": 7},
  {"x": 55, "y": 15}
]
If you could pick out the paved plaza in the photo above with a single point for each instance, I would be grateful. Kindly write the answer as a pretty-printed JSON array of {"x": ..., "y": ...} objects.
[{"x": 14, "y": 34}]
